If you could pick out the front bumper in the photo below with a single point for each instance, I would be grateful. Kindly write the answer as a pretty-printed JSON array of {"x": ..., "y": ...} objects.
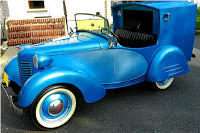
[{"x": 12, "y": 100}]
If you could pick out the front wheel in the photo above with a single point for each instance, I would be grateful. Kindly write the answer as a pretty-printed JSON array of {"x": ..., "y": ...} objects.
[
  {"x": 162, "y": 85},
  {"x": 53, "y": 107}
]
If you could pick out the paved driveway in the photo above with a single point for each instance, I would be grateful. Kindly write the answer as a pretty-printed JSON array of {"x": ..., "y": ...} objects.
[{"x": 132, "y": 109}]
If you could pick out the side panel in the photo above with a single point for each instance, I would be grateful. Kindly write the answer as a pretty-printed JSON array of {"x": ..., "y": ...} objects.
[
  {"x": 179, "y": 30},
  {"x": 91, "y": 88},
  {"x": 129, "y": 63},
  {"x": 86, "y": 61},
  {"x": 122, "y": 65},
  {"x": 12, "y": 70},
  {"x": 168, "y": 62}
]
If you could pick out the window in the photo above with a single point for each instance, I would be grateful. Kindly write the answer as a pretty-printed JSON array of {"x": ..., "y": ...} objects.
[{"x": 36, "y": 4}]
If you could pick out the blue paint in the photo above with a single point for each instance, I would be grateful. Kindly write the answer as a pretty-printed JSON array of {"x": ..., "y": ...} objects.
[
  {"x": 121, "y": 65},
  {"x": 178, "y": 31},
  {"x": 90, "y": 87},
  {"x": 85, "y": 60},
  {"x": 168, "y": 62},
  {"x": 12, "y": 70}
]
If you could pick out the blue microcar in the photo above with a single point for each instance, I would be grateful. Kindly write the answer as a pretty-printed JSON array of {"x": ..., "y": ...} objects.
[{"x": 150, "y": 41}]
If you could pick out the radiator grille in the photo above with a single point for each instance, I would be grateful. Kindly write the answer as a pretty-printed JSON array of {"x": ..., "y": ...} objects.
[{"x": 24, "y": 71}]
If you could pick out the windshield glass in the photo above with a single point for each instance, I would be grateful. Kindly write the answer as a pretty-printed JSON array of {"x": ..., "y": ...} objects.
[{"x": 90, "y": 22}]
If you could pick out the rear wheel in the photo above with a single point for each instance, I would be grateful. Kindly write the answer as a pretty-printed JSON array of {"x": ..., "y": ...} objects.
[
  {"x": 162, "y": 85},
  {"x": 53, "y": 107}
]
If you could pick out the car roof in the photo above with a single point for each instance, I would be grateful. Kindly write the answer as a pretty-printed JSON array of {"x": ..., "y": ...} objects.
[{"x": 160, "y": 5}]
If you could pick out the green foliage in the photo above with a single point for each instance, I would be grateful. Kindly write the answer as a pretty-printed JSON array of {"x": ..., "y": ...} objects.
[
  {"x": 198, "y": 10},
  {"x": 111, "y": 26},
  {"x": 197, "y": 32},
  {"x": 198, "y": 19},
  {"x": 2, "y": 52}
]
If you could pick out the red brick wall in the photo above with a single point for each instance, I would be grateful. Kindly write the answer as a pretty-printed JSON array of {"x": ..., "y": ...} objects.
[{"x": 34, "y": 30}]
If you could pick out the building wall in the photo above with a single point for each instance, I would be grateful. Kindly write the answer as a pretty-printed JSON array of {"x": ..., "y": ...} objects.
[
  {"x": 4, "y": 13},
  {"x": 195, "y": 1},
  {"x": 19, "y": 9}
]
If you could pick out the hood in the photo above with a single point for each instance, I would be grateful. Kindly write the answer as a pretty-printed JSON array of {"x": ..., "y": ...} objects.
[{"x": 76, "y": 43}]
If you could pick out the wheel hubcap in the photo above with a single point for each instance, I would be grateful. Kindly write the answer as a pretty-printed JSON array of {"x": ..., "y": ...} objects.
[
  {"x": 55, "y": 107},
  {"x": 164, "y": 82}
]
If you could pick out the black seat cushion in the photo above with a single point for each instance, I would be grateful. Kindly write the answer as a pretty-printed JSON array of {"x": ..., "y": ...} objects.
[{"x": 135, "y": 39}]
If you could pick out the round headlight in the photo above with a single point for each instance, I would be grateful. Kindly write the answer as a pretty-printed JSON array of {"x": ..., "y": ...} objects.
[
  {"x": 35, "y": 61},
  {"x": 41, "y": 61}
]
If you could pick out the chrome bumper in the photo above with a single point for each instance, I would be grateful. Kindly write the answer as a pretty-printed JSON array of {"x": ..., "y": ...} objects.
[{"x": 12, "y": 100}]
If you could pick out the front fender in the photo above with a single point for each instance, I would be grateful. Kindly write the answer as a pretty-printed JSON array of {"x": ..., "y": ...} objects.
[
  {"x": 12, "y": 70},
  {"x": 91, "y": 88},
  {"x": 168, "y": 62}
]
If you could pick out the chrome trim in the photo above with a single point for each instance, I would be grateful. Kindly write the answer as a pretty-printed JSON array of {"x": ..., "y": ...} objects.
[
  {"x": 173, "y": 69},
  {"x": 54, "y": 107},
  {"x": 170, "y": 66},
  {"x": 35, "y": 61},
  {"x": 175, "y": 73}
]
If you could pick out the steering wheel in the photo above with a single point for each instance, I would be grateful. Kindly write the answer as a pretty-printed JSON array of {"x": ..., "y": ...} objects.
[{"x": 116, "y": 36}]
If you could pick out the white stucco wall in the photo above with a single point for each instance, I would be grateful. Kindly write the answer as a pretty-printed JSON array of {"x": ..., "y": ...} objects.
[
  {"x": 84, "y": 6},
  {"x": 55, "y": 8},
  {"x": 18, "y": 9},
  {"x": 195, "y": 1}
]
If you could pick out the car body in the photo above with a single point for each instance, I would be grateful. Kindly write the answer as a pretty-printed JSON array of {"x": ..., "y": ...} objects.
[{"x": 151, "y": 41}]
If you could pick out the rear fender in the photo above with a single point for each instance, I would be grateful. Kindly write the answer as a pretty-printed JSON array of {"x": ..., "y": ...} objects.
[
  {"x": 168, "y": 62},
  {"x": 12, "y": 70},
  {"x": 91, "y": 88}
]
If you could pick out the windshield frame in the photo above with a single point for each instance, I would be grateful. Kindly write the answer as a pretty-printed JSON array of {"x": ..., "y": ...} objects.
[{"x": 108, "y": 29}]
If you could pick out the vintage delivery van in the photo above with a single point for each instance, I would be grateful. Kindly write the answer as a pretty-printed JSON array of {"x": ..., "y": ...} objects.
[{"x": 150, "y": 41}]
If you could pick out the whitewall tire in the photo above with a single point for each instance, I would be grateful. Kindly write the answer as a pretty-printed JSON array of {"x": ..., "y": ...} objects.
[
  {"x": 53, "y": 107},
  {"x": 162, "y": 85}
]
